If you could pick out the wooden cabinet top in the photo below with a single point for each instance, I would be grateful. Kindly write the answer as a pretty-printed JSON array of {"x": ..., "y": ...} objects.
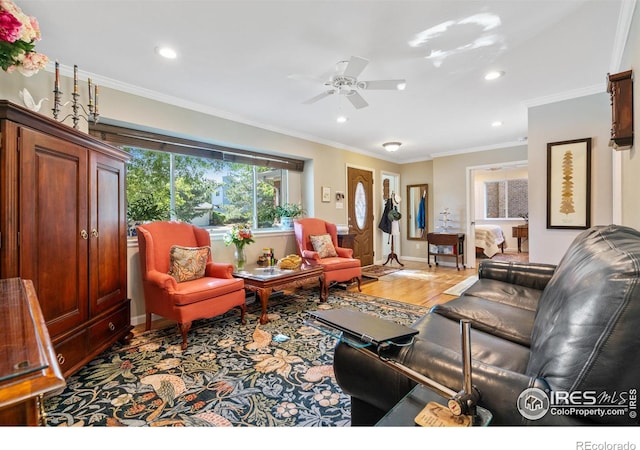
[
  {"x": 28, "y": 366},
  {"x": 445, "y": 238},
  {"x": 23, "y": 116}
]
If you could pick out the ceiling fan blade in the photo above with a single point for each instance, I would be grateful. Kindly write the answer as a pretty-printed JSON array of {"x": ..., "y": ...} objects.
[
  {"x": 319, "y": 97},
  {"x": 355, "y": 67},
  {"x": 356, "y": 100},
  {"x": 383, "y": 84}
]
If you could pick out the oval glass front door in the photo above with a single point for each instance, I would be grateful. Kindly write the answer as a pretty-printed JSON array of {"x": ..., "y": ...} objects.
[{"x": 360, "y": 205}]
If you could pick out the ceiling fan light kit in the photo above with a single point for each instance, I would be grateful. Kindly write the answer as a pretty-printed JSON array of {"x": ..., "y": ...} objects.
[
  {"x": 391, "y": 146},
  {"x": 347, "y": 83}
]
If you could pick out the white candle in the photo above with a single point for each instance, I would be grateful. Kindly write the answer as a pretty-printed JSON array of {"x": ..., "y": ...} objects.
[
  {"x": 75, "y": 79},
  {"x": 90, "y": 93},
  {"x": 96, "y": 92},
  {"x": 57, "y": 85}
]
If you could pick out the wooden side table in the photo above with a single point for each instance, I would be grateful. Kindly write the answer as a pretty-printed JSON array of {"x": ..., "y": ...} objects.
[
  {"x": 446, "y": 244},
  {"x": 346, "y": 240},
  {"x": 521, "y": 232}
]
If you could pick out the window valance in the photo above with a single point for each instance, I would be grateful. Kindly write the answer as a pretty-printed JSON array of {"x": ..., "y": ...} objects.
[{"x": 123, "y": 136}]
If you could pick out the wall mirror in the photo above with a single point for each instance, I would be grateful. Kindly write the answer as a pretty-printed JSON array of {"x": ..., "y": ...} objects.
[{"x": 417, "y": 206}]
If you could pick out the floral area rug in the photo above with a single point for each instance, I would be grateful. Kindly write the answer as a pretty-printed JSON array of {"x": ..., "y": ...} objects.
[{"x": 276, "y": 374}]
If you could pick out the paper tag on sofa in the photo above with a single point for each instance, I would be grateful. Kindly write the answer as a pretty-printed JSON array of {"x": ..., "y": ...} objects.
[{"x": 437, "y": 415}]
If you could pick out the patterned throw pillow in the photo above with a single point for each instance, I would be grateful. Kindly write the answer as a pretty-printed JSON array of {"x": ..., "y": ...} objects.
[
  {"x": 188, "y": 263},
  {"x": 323, "y": 245}
]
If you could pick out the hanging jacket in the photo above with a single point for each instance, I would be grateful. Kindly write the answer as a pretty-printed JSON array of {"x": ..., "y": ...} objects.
[
  {"x": 421, "y": 215},
  {"x": 385, "y": 222}
]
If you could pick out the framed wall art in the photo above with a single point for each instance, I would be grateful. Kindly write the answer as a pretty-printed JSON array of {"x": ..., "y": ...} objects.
[
  {"x": 326, "y": 194},
  {"x": 569, "y": 184}
]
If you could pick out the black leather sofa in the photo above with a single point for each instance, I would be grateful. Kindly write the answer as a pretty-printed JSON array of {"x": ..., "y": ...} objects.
[{"x": 568, "y": 330}]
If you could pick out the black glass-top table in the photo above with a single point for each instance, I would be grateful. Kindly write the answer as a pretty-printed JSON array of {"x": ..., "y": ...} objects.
[{"x": 403, "y": 414}]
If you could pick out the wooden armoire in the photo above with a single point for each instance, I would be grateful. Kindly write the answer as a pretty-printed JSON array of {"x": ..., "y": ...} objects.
[{"x": 63, "y": 226}]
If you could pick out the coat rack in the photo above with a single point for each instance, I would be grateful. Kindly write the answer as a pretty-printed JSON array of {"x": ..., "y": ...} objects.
[{"x": 392, "y": 256}]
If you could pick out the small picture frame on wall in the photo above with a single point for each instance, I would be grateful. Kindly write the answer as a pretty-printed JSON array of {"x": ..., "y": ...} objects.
[
  {"x": 569, "y": 184},
  {"x": 326, "y": 194}
]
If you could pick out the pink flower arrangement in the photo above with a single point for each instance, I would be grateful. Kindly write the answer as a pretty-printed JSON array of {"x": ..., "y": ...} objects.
[
  {"x": 18, "y": 34},
  {"x": 239, "y": 235}
]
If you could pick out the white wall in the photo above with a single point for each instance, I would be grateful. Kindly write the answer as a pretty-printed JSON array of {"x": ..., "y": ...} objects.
[
  {"x": 631, "y": 158},
  {"x": 579, "y": 118}
]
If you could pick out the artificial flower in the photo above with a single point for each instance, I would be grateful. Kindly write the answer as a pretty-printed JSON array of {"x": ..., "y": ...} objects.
[
  {"x": 18, "y": 34},
  {"x": 239, "y": 235}
]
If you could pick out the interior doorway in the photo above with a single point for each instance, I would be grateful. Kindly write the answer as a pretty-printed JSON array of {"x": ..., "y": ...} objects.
[{"x": 479, "y": 179}]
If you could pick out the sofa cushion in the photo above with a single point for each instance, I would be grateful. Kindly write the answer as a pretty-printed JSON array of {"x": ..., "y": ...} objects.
[
  {"x": 585, "y": 335},
  {"x": 188, "y": 263},
  {"x": 323, "y": 245},
  {"x": 499, "y": 319},
  {"x": 507, "y": 293}
]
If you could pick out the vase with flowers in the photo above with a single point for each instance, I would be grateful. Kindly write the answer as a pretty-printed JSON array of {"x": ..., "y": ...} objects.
[
  {"x": 239, "y": 235},
  {"x": 18, "y": 34}
]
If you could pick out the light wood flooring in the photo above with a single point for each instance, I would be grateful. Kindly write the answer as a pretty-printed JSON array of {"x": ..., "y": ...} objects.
[{"x": 417, "y": 283}]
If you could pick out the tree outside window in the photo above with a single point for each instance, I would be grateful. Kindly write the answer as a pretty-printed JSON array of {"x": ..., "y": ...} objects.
[{"x": 201, "y": 191}]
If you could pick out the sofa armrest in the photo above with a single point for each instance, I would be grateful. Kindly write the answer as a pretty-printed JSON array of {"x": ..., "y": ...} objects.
[
  {"x": 532, "y": 275},
  {"x": 499, "y": 388},
  {"x": 310, "y": 257},
  {"x": 344, "y": 252},
  {"x": 219, "y": 270},
  {"x": 161, "y": 280}
]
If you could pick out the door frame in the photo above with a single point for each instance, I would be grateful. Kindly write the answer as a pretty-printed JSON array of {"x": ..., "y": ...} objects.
[
  {"x": 375, "y": 212},
  {"x": 470, "y": 245}
]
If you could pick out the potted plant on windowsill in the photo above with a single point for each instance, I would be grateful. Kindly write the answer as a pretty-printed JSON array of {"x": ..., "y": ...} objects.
[{"x": 286, "y": 213}]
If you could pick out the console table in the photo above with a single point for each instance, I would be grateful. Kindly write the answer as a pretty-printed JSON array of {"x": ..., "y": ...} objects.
[
  {"x": 445, "y": 244},
  {"x": 521, "y": 232}
]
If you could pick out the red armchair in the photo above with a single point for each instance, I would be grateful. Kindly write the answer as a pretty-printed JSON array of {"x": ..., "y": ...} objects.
[
  {"x": 211, "y": 295},
  {"x": 340, "y": 268}
]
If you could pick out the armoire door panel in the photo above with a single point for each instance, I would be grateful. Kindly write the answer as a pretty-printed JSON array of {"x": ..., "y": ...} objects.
[
  {"x": 108, "y": 235},
  {"x": 53, "y": 252}
]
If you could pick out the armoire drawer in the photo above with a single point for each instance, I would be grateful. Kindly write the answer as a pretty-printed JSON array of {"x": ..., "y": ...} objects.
[
  {"x": 71, "y": 351},
  {"x": 107, "y": 329}
]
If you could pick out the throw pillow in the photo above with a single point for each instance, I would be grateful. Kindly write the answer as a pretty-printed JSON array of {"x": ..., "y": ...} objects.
[
  {"x": 323, "y": 245},
  {"x": 188, "y": 263}
]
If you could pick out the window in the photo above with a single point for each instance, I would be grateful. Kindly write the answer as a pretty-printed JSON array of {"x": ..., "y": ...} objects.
[
  {"x": 209, "y": 185},
  {"x": 204, "y": 192},
  {"x": 506, "y": 199}
]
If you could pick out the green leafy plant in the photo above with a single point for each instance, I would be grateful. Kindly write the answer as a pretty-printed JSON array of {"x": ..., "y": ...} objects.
[
  {"x": 146, "y": 208},
  {"x": 291, "y": 210}
]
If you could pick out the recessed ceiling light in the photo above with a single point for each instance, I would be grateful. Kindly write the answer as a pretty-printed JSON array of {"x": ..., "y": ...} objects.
[
  {"x": 494, "y": 75},
  {"x": 497, "y": 123},
  {"x": 342, "y": 119},
  {"x": 166, "y": 52},
  {"x": 402, "y": 86}
]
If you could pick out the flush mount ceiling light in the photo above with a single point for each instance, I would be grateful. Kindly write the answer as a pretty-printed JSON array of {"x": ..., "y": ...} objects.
[
  {"x": 496, "y": 124},
  {"x": 494, "y": 75},
  {"x": 391, "y": 146},
  {"x": 342, "y": 119},
  {"x": 166, "y": 52}
]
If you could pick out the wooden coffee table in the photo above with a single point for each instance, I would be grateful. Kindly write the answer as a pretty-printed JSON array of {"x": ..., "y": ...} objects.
[{"x": 262, "y": 281}]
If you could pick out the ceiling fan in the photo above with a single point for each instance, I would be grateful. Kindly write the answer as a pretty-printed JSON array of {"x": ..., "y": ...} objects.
[{"x": 346, "y": 83}]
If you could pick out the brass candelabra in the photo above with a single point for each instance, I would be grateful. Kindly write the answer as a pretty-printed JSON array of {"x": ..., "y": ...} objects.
[{"x": 78, "y": 110}]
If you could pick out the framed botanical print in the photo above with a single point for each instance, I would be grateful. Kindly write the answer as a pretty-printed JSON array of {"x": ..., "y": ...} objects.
[{"x": 569, "y": 184}]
